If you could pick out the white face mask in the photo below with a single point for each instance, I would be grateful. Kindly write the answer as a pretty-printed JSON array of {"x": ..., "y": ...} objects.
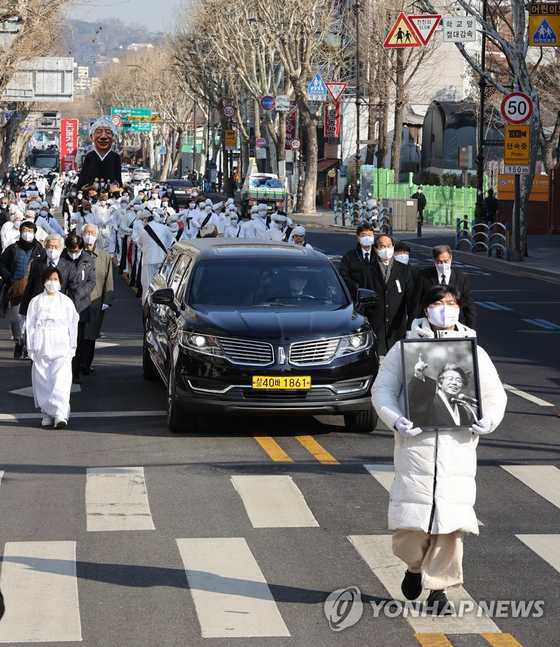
[
  {"x": 102, "y": 203},
  {"x": 75, "y": 256},
  {"x": 233, "y": 221},
  {"x": 386, "y": 253},
  {"x": 402, "y": 258},
  {"x": 54, "y": 254},
  {"x": 366, "y": 241},
  {"x": 86, "y": 213},
  {"x": 89, "y": 239},
  {"x": 443, "y": 268},
  {"x": 278, "y": 225},
  {"x": 173, "y": 226},
  {"x": 443, "y": 316},
  {"x": 27, "y": 236},
  {"x": 52, "y": 286},
  {"x": 44, "y": 213},
  {"x": 17, "y": 224}
]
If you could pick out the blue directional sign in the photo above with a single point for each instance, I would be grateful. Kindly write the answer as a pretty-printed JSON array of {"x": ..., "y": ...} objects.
[
  {"x": 317, "y": 88},
  {"x": 545, "y": 34}
]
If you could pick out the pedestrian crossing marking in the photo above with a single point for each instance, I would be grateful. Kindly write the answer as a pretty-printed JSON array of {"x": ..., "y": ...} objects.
[
  {"x": 27, "y": 392},
  {"x": 546, "y": 546},
  {"x": 317, "y": 450},
  {"x": 273, "y": 502},
  {"x": 527, "y": 396},
  {"x": 543, "y": 479},
  {"x": 18, "y": 417},
  {"x": 501, "y": 640},
  {"x": 40, "y": 587},
  {"x": 231, "y": 596},
  {"x": 116, "y": 499},
  {"x": 273, "y": 449},
  {"x": 543, "y": 323},
  {"x": 376, "y": 551},
  {"x": 433, "y": 640},
  {"x": 1, "y": 475}
]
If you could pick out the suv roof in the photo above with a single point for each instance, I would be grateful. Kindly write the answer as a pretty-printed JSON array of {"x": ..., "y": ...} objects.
[{"x": 222, "y": 247}]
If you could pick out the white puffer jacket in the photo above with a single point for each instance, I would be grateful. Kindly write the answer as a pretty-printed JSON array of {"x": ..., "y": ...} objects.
[{"x": 434, "y": 488}]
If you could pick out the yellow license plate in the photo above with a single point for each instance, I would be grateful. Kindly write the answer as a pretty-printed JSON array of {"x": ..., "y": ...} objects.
[{"x": 287, "y": 383}]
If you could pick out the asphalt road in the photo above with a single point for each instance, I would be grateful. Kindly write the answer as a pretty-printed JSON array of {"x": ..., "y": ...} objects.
[{"x": 237, "y": 535}]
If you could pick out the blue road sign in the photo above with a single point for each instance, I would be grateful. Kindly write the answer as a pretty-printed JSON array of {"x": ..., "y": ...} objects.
[
  {"x": 268, "y": 102},
  {"x": 545, "y": 34},
  {"x": 317, "y": 86}
]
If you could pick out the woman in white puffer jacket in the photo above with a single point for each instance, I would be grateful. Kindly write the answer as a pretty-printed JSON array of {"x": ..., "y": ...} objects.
[{"x": 433, "y": 494}]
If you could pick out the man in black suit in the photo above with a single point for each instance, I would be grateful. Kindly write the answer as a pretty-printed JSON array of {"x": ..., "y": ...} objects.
[
  {"x": 54, "y": 246},
  {"x": 398, "y": 296},
  {"x": 354, "y": 261},
  {"x": 442, "y": 273}
]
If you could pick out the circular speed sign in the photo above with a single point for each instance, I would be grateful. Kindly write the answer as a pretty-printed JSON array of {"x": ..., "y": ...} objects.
[
  {"x": 295, "y": 144},
  {"x": 116, "y": 120},
  {"x": 228, "y": 111},
  {"x": 517, "y": 108}
]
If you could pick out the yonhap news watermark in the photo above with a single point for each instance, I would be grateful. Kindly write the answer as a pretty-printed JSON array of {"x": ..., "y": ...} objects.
[{"x": 343, "y": 608}]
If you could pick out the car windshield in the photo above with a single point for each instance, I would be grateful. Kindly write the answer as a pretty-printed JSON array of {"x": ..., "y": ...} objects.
[{"x": 266, "y": 283}]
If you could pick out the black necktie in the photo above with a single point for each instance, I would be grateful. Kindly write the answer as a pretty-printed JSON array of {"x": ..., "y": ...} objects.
[
  {"x": 366, "y": 257},
  {"x": 443, "y": 281}
]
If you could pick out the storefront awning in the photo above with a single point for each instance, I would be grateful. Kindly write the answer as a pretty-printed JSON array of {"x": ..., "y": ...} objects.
[{"x": 325, "y": 165}]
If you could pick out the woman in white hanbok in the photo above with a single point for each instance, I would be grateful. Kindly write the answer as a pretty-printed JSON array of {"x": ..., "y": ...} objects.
[{"x": 52, "y": 328}]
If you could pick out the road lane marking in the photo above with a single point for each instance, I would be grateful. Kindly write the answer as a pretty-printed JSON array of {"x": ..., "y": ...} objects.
[
  {"x": 230, "y": 593},
  {"x": 491, "y": 305},
  {"x": 433, "y": 640},
  {"x": 273, "y": 449},
  {"x": 273, "y": 501},
  {"x": 40, "y": 587},
  {"x": 527, "y": 396},
  {"x": 27, "y": 391},
  {"x": 543, "y": 323},
  {"x": 1, "y": 475},
  {"x": 501, "y": 640},
  {"x": 384, "y": 474},
  {"x": 376, "y": 551},
  {"x": 317, "y": 450},
  {"x": 546, "y": 546},
  {"x": 17, "y": 417},
  {"x": 116, "y": 499},
  {"x": 542, "y": 479}
]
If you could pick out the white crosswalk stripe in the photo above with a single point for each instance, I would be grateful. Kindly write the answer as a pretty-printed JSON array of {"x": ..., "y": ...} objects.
[
  {"x": 376, "y": 552},
  {"x": 546, "y": 546},
  {"x": 41, "y": 591},
  {"x": 116, "y": 499},
  {"x": 542, "y": 479},
  {"x": 274, "y": 502},
  {"x": 230, "y": 593}
]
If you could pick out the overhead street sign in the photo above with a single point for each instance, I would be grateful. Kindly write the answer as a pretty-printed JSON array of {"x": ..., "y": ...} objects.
[
  {"x": 402, "y": 34},
  {"x": 517, "y": 108},
  {"x": 336, "y": 90},
  {"x": 425, "y": 26},
  {"x": 317, "y": 90},
  {"x": 459, "y": 29},
  {"x": 517, "y": 148},
  {"x": 128, "y": 117},
  {"x": 544, "y": 24}
]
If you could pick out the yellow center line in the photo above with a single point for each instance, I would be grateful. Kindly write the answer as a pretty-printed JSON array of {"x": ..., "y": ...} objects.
[
  {"x": 317, "y": 450},
  {"x": 501, "y": 640},
  {"x": 433, "y": 640},
  {"x": 273, "y": 449}
]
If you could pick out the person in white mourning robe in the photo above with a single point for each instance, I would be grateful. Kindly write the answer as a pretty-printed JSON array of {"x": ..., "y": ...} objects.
[{"x": 52, "y": 335}]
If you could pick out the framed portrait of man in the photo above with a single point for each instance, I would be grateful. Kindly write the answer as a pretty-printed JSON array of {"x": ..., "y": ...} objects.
[{"x": 441, "y": 383}]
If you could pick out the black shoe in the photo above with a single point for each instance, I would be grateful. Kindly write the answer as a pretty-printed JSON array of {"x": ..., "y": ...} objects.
[
  {"x": 85, "y": 370},
  {"x": 411, "y": 586},
  {"x": 440, "y": 605},
  {"x": 18, "y": 351},
  {"x": 76, "y": 379},
  {"x": 2, "y": 607}
]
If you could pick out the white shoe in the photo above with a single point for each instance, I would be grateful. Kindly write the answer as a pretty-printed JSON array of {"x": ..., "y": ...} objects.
[
  {"x": 47, "y": 421},
  {"x": 60, "y": 423}
]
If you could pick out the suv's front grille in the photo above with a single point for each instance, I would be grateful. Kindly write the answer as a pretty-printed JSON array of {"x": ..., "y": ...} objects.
[
  {"x": 305, "y": 353},
  {"x": 251, "y": 353}
]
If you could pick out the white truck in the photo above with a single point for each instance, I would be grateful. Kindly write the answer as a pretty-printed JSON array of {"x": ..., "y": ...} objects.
[{"x": 260, "y": 188}]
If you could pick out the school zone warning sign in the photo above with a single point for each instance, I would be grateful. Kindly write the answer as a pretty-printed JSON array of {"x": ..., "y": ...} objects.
[{"x": 402, "y": 34}]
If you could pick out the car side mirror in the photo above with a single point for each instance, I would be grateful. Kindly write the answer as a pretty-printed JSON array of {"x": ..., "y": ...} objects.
[
  {"x": 367, "y": 297},
  {"x": 165, "y": 297}
]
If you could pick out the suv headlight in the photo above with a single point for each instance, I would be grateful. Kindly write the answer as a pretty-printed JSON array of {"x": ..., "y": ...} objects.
[
  {"x": 199, "y": 343},
  {"x": 354, "y": 343}
]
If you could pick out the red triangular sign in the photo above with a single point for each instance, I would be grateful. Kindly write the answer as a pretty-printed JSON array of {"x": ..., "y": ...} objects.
[
  {"x": 402, "y": 34},
  {"x": 336, "y": 89},
  {"x": 425, "y": 26}
]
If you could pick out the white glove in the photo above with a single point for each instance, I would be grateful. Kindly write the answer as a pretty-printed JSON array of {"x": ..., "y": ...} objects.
[
  {"x": 105, "y": 306},
  {"x": 482, "y": 426},
  {"x": 406, "y": 428}
]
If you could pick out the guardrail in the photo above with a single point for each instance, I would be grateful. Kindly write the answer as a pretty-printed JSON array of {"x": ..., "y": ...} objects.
[{"x": 491, "y": 237}]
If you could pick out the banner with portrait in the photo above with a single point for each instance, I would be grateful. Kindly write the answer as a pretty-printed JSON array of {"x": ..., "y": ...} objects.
[{"x": 441, "y": 382}]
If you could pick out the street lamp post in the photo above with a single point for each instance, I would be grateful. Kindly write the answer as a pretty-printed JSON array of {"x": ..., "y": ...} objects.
[
  {"x": 357, "y": 7},
  {"x": 480, "y": 153}
]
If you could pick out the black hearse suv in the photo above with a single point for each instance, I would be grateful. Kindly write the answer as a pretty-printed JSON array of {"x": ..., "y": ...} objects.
[{"x": 239, "y": 326}]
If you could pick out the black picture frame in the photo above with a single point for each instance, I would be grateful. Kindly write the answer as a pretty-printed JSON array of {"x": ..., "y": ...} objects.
[{"x": 441, "y": 399}]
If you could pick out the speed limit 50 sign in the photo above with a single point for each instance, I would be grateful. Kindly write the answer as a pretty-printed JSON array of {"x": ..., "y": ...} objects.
[{"x": 517, "y": 108}]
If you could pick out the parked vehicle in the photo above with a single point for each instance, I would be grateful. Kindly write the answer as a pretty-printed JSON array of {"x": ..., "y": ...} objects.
[
  {"x": 233, "y": 326},
  {"x": 139, "y": 173},
  {"x": 183, "y": 190},
  {"x": 126, "y": 174},
  {"x": 265, "y": 188}
]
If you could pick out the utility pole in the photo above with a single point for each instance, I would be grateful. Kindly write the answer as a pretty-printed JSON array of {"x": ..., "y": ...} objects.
[
  {"x": 357, "y": 7},
  {"x": 480, "y": 153}
]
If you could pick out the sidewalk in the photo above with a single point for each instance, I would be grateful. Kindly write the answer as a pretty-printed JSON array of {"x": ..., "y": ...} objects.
[{"x": 543, "y": 260}]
